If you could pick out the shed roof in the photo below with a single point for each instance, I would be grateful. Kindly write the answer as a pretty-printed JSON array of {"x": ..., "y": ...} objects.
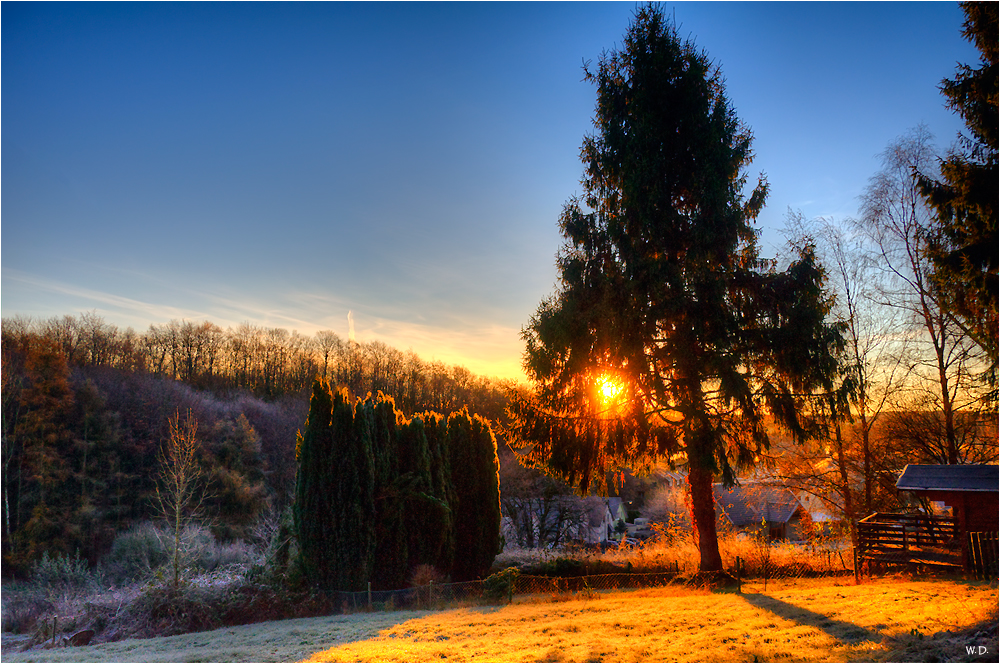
[{"x": 949, "y": 478}]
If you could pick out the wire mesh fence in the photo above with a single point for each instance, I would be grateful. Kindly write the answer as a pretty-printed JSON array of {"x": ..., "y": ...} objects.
[
  {"x": 494, "y": 590},
  {"x": 504, "y": 586},
  {"x": 758, "y": 561},
  {"x": 535, "y": 585},
  {"x": 430, "y": 596}
]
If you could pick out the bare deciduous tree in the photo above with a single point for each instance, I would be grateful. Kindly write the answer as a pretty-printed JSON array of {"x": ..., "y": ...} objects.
[
  {"x": 900, "y": 226},
  {"x": 874, "y": 334},
  {"x": 180, "y": 490}
]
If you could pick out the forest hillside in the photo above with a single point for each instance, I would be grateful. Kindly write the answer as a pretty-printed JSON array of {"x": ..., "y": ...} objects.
[{"x": 86, "y": 408}]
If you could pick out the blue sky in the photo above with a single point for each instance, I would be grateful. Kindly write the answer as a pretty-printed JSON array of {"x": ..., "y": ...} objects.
[{"x": 285, "y": 163}]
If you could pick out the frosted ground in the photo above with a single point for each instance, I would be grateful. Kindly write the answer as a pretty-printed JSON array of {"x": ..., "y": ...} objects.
[
  {"x": 276, "y": 641},
  {"x": 890, "y": 619}
]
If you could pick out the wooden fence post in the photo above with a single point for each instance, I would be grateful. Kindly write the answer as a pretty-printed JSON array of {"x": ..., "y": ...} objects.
[{"x": 857, "y": 571}]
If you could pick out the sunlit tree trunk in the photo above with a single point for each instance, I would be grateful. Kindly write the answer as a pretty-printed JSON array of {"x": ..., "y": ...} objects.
[{"x": 703, "y": 513}]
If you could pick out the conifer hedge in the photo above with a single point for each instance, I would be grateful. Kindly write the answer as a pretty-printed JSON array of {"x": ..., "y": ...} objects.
[{"x": 378, "y": 495}]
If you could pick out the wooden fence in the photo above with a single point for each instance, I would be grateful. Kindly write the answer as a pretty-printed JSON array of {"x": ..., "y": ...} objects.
[
  {"x": 982, "y": 549},
  {"x": 911, "y": 539}
]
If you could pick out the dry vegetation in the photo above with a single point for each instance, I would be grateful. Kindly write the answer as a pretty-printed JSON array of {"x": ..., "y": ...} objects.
[{"x": 673, "y": 548}]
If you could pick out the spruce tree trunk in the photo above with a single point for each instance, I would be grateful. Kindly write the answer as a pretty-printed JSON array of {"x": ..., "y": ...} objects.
[{"x": 703, "y": 513}]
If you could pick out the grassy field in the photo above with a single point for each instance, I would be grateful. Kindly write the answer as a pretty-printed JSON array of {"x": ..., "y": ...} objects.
[
  {"x": 277, "y": 641},
  {"x": 887, "y": 620},
  {"x": 819, "y": 620}
]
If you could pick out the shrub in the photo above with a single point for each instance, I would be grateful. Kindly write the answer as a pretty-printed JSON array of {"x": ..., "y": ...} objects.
[
  {"x": 23, "y": 609},
  {"x": 199, "y": 549},
  {"x": 168, "y": 611},
  {"x": 500, "y": 586},
  {"x": 139, "y": 552},
  {"x": 162, "y": 610},
  {"x": 426, "y": 574},
  {"x": 136, "y": 553},
  {"x": 62, "y": 572}
]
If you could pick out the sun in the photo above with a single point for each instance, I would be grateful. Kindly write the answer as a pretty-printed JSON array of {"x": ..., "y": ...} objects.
[{"x": 608, "y": 387}]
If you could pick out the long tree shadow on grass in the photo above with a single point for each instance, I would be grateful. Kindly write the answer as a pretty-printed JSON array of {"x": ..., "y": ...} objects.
[{"x": 843, "y": 631}]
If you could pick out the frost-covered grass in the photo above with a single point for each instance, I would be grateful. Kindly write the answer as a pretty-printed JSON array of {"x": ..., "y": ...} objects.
[
  {"x": 888, "y": 620},
  {"x": 275, "y": 641},
  {"x": 892, "y": 619}
]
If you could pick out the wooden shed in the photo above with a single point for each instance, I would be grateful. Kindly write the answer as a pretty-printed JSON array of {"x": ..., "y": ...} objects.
[
  {"x": 971, "y": 491},
  {"x": 969, "y": 534}
]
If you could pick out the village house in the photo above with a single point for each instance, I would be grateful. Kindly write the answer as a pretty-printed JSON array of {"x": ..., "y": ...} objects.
[
  {"x": 751, "y": 506},
  {"x": 772, "y": 511},
  {"x": 564, "y": 519}
]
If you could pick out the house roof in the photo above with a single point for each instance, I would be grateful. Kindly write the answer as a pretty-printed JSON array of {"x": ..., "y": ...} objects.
[
  {"x": 949, "y": 478},
  {"x": 597, "y": 510},
  {"x": 617, "y": 508},
  {"x": 817, "y": 508},
  {"x": 749, "y": 504},
  {"x": 670, "y": 478}
]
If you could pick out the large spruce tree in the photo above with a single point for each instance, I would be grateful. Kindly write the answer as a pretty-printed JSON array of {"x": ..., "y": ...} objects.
[
  {"x": 965, "y": 248},
  {"x": 668, "y": 337}
]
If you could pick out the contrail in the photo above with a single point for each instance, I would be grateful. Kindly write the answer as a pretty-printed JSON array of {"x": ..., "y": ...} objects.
[{"x": 350, "y": 326}]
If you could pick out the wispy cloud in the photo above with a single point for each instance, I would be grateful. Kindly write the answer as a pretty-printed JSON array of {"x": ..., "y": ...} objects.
[
  {"x": 87, "y": 298},
  {"x": 470, "y": 340}
]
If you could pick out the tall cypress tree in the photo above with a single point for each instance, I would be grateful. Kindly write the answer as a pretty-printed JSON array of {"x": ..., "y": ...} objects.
[
  {"x": 334, "y": 512},
  {"x": 438, "y": 547},
  {"x": 475, "y": 472},
  {"x": 354, "y": 489},
  {"x": 391, "y": 531},
  {"x": 312, "y": 512},
  {"x": 377, "y": 495}
]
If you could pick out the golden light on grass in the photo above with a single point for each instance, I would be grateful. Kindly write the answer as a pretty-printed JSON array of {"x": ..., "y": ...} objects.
[{"x": 810, "y": 621}]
